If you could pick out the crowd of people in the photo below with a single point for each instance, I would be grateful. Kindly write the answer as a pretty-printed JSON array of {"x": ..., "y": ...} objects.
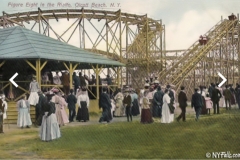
[{"x": 150, "y": 102}]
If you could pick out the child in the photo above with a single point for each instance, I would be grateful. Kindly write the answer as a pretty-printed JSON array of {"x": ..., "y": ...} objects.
[{"x": 209, "y": 103}]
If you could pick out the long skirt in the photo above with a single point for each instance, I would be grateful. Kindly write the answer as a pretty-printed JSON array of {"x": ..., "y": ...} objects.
[
  {"x": 146, "y": 116},
  {"x": 156, "y": 110},
  {"x": 24, "y": 118},
  {"x": 204, "y": 109},
  {"x": 167, "y": 117},
  {"x": 59, "y": 115},
  {"x": 135, "y": 108},
  {"x": 49, "y": 129},
  {"x": 105, "y": 115},
  {"x": 119, "y": 108},
  {"x": 233, "y": 99},
  {"x": 33, "y": 98},
  {"x": 64, "y": 115},
  {"x": 82, "y": 114}
]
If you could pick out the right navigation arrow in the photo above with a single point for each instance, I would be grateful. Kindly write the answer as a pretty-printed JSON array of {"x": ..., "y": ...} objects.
[{"x": 224, "y": 79}]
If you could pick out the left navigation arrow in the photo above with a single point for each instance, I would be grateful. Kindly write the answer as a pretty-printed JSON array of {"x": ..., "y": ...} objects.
[{"x": 11, "y": 79}]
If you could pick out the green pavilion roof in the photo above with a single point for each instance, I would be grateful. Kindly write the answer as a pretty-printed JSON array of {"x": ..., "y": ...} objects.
[{"x": 21, "y": 43}]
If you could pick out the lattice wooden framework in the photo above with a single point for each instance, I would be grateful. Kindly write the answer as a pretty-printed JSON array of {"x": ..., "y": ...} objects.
[{"x": 135, "y": 40}]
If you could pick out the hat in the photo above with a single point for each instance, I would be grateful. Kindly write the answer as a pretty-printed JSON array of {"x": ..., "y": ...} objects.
[
  {"x": 127, "y": 90},
  {"x": 84, "y": 89},
  {"x": 55, "y": 90},
  {"x": 156, "y": 81},
  {"x": 146, "y": 85}
]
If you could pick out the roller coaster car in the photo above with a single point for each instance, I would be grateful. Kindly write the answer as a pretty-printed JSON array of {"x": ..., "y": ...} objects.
[
  {"x": 232, "y": 17},
  {"x": 203, "y": 40}
]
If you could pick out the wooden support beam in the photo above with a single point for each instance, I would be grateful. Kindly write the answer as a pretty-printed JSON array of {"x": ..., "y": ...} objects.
[
  {"x": 55, "y": 16},
  {"x": 2, "y": 63},
  {"x": 43, "y": 65},
  {"x": 37, "y": 71},
  {"x": 30, "y": 64},
  {"x": 66, "y": 66},
  {"x": 71, "y": 74},
  {"x": 75, "y": 66},
  {"x": 13, "y": 21},
  {"x": 6, "y": 85},
  {"x": 118, "y": 77},
  {"x": 67, "y": 15},
  {"x": 97, "y": 71}
]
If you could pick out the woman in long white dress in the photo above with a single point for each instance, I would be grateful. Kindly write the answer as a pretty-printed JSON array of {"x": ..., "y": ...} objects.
[
  {"x": 49, "y": 129},
  {"x": 5, "y": 107},
  {"x": 119, "y": 110},
  {"x": 24, "y": 119},
  {"x": 167, "y": 117},
  {"x": 33, "y": 89}
]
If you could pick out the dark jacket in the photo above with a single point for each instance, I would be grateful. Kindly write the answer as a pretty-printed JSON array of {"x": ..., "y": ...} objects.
[
  {"x": 71, "y": 100},
  {"x": 197, "y": 101},
  {"x": 210, "y": 89},
  {"x": 182, "y": 99},
  {"x": 158, "y": 98},
  {"x": 171, "y": 95},
  {"x": 76, "y": 81},
  {"x": 227, "y": 94},
  {"x": 104, "y": 101},
  {"x": 41, "y": 102},
  {"x": 127, "y": 100},
  {"x": 216, "y": 95},
  {"x": 82, "y": 81}
]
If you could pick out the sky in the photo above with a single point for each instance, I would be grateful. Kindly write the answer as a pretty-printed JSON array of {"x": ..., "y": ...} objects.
[{"x": 185, "y": 20}]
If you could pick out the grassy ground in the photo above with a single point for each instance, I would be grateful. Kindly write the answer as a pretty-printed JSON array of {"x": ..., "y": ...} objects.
[{"x": 133, "y": 140}]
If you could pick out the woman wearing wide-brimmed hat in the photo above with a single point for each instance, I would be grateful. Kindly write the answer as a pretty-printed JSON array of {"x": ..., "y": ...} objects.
[
  {"x": 33, "y": 89},
  {"x": 146, "y": 115},
  {"x": 58, "y": 105},
  {"x": 119, "y": 110}
]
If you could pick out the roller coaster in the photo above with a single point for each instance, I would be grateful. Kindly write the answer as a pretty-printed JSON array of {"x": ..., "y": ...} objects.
[{"x": 139, "y": 42}]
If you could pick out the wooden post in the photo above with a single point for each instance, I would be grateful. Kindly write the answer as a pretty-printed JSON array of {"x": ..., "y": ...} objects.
[
  {"x": 97, "y": 81},
  {"x": 118, "y": 77},
  {"x": 70, "y": 75}
]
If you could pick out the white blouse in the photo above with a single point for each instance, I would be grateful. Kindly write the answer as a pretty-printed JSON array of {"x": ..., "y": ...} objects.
[
  {"x": 83, "y": 97},
  {"x": 166, "y": 98}
]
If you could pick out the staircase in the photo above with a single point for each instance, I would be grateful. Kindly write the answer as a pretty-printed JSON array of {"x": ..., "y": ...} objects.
[
  {"x": 12, "y": 113},
  {"x": 188, "y": 61}
]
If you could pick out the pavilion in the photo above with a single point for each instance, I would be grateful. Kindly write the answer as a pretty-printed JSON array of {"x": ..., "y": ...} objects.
[{"x": 27, "y": 52}]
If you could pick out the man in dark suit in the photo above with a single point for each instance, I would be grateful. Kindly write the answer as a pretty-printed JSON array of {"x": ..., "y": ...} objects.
[
  {"x": 71, "y": 100},
  {"x": 105, "y": 104},
  {"x": 197, "y": 103},
  {"x": 127, "y": 102},
  {"x": 227, "y": 96},
  {"x": 216, "y": 95},
  {"x": 182, "y": 100}
]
